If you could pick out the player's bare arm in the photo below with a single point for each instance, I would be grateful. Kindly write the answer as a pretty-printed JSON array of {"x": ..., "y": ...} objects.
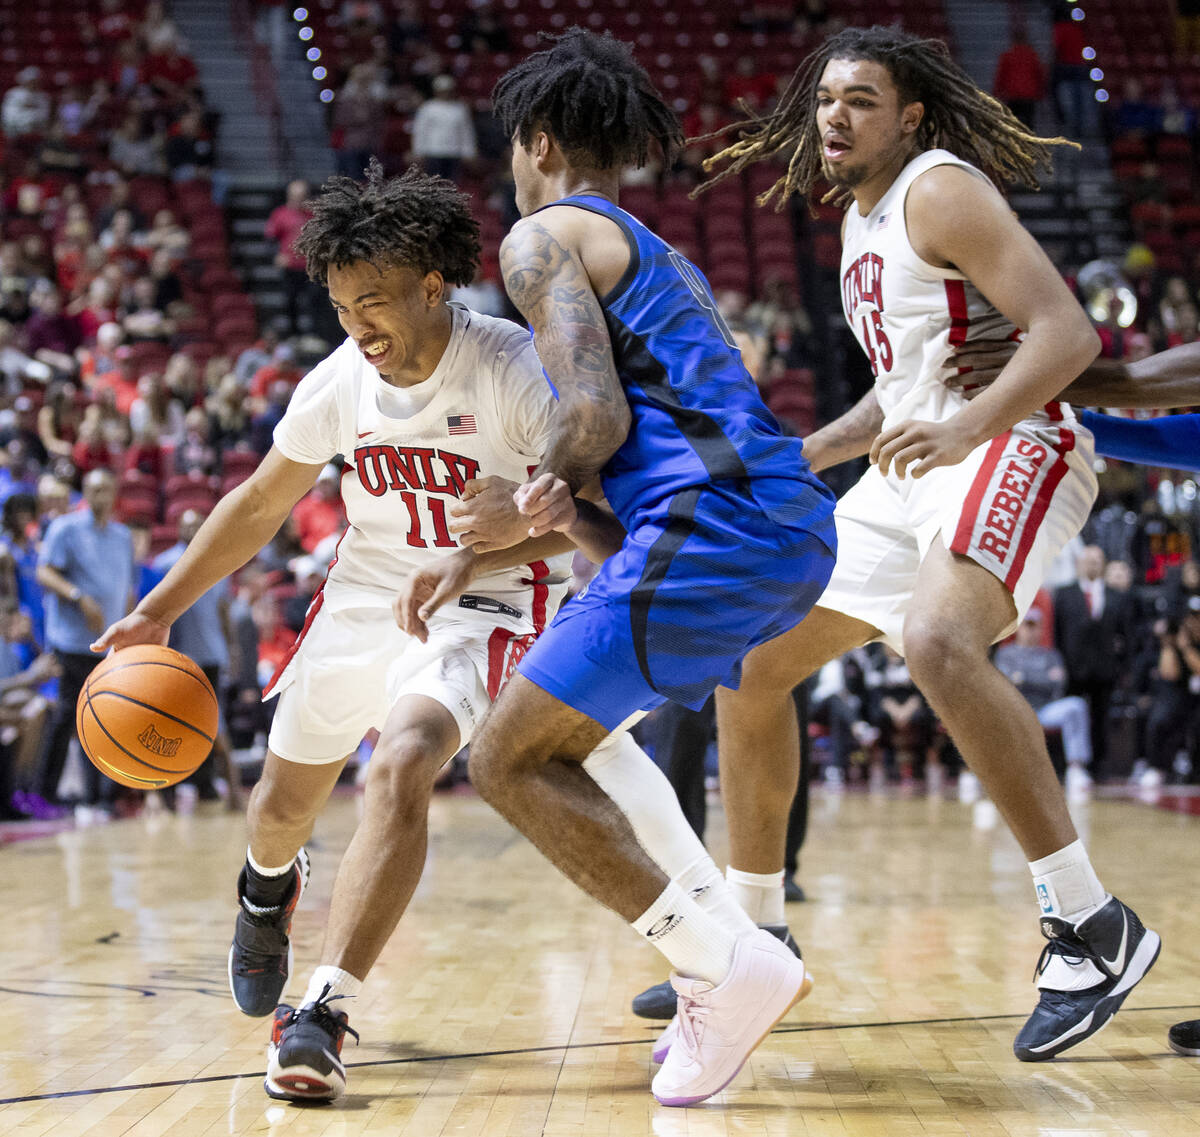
[
  {"x": 1166, "y": 381},
  {"x": 849, "y": 435},
  {"x": 548, "y": 283},
  {"x": 239, "y": 526},
  {"x": 442, "y": 581},
  {"x": 957, "y": 220}
]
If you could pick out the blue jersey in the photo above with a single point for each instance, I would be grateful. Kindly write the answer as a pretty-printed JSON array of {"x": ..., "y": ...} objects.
[{"x": 697, "y": 418}]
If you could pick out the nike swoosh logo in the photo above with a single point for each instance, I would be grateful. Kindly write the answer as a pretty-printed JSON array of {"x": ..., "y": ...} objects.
[
  {"x": 1117, "y": 965},
  {"x": 365, "y": 433}
]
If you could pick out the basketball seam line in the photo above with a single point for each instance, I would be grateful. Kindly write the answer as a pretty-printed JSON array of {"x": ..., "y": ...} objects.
[
  {"x": 149, "y": 707},
  {"x": 201, "y": 679},
  {"x": 135, "y": 757}
]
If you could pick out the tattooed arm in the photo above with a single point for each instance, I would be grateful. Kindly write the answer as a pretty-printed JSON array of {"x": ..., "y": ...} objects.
[
  {"x": 849, "y": 435},
  {"x": 550, "y": 286}
]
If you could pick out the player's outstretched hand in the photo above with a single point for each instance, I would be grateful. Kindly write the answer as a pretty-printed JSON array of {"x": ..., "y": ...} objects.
[
  {"x": 983, "y": 360},
  {"x": 546, "y": 504},
  {"x": 914, "y": 448},
  {"x": 486, "y": 518},
  {"x": 134, "y": 629},
  {"x": 427, "y": 588}
]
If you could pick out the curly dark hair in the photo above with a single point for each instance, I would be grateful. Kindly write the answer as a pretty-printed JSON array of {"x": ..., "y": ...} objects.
[
  {"x": 958, "y": 116},
  {"x": 597, "y": 101},
  {"x": 416, "y": 220}
]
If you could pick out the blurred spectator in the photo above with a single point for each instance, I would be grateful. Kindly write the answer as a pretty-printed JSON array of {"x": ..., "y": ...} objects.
[
  {"x": 20, "y": 543},
  {"x": 121, "y": 380},
  {"x": 275, "y": 639},
  {"x": 900, "y": 714},
  {"x": 1040, "y": 674},
  {"x": 283, "y": 227},
  {"x": 23, "y": 712},
  {"x": 17, "y": 368},
  {"x": 443, "y": 134},
  {"x": 357, "y": 112},
  {"x": 1093, "y": 628},
  {"x": 134, "y": 149},
  {"x": 145, "y": 321},
  {"x": 1187, "y": 26},
  {"x": 91, "y": 450},
  {"x": 480, "y": 30},
  {"x": 257, "y": 355},
  {"x": 51, "y": 336},
  {"x": 1173, "y": 724},
  {"x": 228, "y": 416},
  {"x": 26, "y": 107},
  {"x": 166, "y": 233},
  {"x": 168, "y": 288},
  {"x": 309, "y": 573},
  {"x": 1135, "y": 114},
  {"x": 1070, "y": 77},
  {"x": 87, "y": 571},
  {"x": 281, "y": 369},
  {"x": 170, "y": 74},
  {"x": 189, "y": 149},
  {"x": 58, "y": 420},
  {"x": 1020, "y": 81},
  {"x": 154, "y": 410},
  {"x": 195, "y": 453},
  {"x": 266, "y": 419},
  {"x": 1176, "y": 117},
  {"x": 203, "y": 633},
  {"x": 749, "y": 85},
  {"x": 120, "y": 197},
  {"x": 320, "y": 512}
]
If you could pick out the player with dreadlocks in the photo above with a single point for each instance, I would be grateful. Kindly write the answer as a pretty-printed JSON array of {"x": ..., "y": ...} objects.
[
  {"x": 945, "y": 540},
  {"x": 430, "y": 403},
  {"x": 723, "y": 540}
]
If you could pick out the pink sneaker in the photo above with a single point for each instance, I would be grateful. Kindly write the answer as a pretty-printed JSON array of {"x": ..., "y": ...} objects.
[
  {"x": 718, "y": 1027},
  {"x": 664, "y": 1042}
]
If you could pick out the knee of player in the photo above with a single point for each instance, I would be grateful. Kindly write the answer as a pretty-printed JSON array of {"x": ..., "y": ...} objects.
[
  {"x": 403, "y": 768},
  {"x": 937, "y": 653}
]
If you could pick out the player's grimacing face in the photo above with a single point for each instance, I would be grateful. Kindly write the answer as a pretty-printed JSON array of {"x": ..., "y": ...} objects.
[
  {"x": 861, "y": 124},
  {"x": 389, "y": 312}
]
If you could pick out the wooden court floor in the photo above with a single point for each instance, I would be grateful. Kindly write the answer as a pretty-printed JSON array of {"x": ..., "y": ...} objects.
[{"x": 501, "y": 1005}]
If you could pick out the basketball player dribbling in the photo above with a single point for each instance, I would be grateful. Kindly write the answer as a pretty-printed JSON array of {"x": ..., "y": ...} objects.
[
  {"x": 426, "y": 400},
  {"x": 723, "y": 540},
  {"x": 944, "y": 541}
]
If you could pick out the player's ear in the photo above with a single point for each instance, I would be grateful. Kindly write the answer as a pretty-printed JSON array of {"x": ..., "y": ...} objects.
[
  {"x": 911, "y": 117},
  {"x": 434, "y": 289}
]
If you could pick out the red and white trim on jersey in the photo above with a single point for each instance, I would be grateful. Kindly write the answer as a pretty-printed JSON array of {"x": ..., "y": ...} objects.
[
  {"x": 506, "y": 648},
  {"x": 314, "y": 607},
  {"x": 1008, "y": 499}
]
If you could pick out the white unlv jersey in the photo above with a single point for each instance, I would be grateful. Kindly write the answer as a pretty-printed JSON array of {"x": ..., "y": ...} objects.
[
  {"x": 908, "y": 314},
  {"x": 486, "y": 410}
]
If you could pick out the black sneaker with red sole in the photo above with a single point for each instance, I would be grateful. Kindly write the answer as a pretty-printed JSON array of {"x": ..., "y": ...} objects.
[{"x": 304, "y": 1060}]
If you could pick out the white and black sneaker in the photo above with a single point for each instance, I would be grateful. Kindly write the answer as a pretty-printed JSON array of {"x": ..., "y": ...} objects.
[
  {"x": 304, "y": 1059},
  {"x": 1185, "y": 1038},
  {"x": 1084, "y": 973},
  {"x": 660, "y": 1001},
  {"x": 260, "y": 958}
]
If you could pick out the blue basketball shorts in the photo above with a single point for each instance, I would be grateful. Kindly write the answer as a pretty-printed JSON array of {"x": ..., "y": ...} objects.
[{"x": 673, "y": 613}]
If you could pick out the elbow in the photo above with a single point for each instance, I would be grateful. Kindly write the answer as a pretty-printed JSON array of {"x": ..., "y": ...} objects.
[{"x": 1089, "y": 343}]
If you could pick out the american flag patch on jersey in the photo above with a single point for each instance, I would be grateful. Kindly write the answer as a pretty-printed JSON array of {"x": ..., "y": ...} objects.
[
  {"x": 883, "y": 221},
  {"x": 461, "y": 424}
]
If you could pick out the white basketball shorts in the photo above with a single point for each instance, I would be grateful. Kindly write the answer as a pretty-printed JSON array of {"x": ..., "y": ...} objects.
[
  {"x": 1010, "y": 506},
  {"x": 350, "y": 667}
]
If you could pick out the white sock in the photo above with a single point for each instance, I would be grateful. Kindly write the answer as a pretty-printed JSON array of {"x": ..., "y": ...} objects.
[
  {"x": 1067, "y": 885},
  {"x": 340, "y": 983},
  {"x": 267, "y": 872},
  {"x": 703, "y": 882},
  {"x": 694, "y": 941},
  {"x": 760, "y": 894}
]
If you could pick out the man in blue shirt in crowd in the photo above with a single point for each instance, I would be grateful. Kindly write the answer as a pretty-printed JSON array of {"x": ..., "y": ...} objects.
[
  {"x": 203, "y": 634},
  {"x": 87, "y": 570}
]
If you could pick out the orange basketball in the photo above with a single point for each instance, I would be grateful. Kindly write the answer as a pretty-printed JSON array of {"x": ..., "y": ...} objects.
[{"x": 147, "y": 717}]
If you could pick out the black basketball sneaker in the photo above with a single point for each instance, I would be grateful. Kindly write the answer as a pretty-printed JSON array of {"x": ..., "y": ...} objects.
[
  {"x": 1185, "y": 1038},
  {"x": 260, "y": 959},
  {"x": 1085, "y": 972},
  {"x": 658, "y": 1002},
  {"x": 304, "y": 1059}
]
